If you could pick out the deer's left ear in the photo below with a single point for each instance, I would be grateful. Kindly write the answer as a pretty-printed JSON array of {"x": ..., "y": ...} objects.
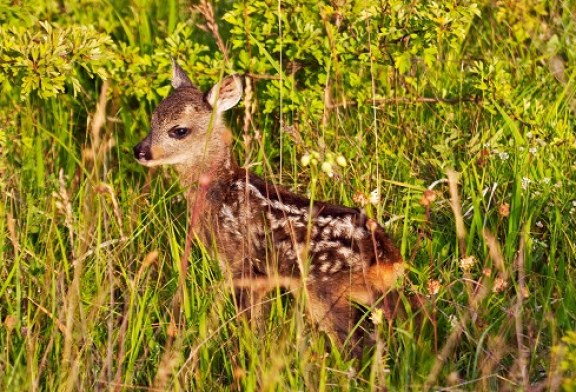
[
  {"x": 226, "y": 94},
  {"x": 179, "y": 77}
]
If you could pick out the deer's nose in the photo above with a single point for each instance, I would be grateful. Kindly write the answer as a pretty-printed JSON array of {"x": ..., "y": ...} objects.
[{"x": 142, "y": 152}]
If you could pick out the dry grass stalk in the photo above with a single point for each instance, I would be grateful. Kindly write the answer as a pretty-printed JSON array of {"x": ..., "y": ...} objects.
[
  {"x": 96, "y": 153},
  {"x": 206, "y": 10},
  {"x": 446, "y": 351},
  {"x": 483, "y": 287},
  {"x": 11, "y": 226},
  {"x": 99, "y": 146},
  {"x": 498, "y": 349},
  {"x": 121, "y": 346},
  {"x": 457, "y": 210},
  {"x": 107, "y": 189},
  {"x": 249, "y": 105},
  {"x": 52, "y": 317},
  {"x": 170, "y": 361},
  {"x": 495, "y": 254},
  {"x": 99, "y": 118},
  {"x": 522, "y": 349}
]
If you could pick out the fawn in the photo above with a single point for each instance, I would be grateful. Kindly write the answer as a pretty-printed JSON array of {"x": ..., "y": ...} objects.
[{"x": 265, "y": 236}]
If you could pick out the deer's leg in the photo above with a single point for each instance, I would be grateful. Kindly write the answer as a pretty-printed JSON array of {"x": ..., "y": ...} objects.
[
  {"x": 336, "y": 315},
  {"x": 391, "y": 305},
  {"x": 249, "y": 302}
]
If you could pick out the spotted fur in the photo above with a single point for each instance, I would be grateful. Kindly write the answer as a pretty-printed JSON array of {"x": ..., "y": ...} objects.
[{"x": 264, "y": 235}]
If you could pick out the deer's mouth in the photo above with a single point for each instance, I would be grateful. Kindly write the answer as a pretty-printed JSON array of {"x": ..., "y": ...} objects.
[{"x": 156, "y": 156}]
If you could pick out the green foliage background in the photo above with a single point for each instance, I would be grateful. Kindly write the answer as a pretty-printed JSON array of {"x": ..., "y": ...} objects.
[{"x": 90, "y": 242}]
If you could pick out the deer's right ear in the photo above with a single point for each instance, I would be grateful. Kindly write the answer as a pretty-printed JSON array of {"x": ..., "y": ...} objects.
[
  {"x": 179, "y": 77},
  {"x": 226, "y": 94}
]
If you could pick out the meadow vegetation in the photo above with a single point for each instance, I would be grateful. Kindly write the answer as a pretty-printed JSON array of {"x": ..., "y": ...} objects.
[{"x": 451, "y": 122}]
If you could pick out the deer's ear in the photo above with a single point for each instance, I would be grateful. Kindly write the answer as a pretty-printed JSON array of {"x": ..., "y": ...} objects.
[
  {"x": 179, "y": 77},
  {"x": 226, "y": 94}
]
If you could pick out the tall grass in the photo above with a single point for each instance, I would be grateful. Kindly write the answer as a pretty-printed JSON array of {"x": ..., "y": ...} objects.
[{"x": 480, "y": 199}]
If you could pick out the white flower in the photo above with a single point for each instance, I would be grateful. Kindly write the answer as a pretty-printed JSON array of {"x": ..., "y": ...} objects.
[
  {"x": 539, "y": 224},
  {"x": 532, "y": 150},
  {"x": 546, "y": 180},
  {"x": 351, "y": 372},
  {"x": 305, "y": 160},
  {"x": 453, "y": 320},
  {"x": 377, "y": 316},
  {"x": 341, "y": 161},
  {"x": 374, "y": 197},
  {"x": 504, "y": 156},
  {"x": 525, "y": 182},
  {"x": 327, "y": 168}
]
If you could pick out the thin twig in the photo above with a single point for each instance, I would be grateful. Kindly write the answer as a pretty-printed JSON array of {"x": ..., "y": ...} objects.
[
  {"x": 263, "y": 76},
  {"x": 408, "y": 101},
  {"x": 61, "y": 326}
]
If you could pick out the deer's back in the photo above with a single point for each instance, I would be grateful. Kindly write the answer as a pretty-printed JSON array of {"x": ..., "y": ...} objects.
[{"x": 261, "y": 228}]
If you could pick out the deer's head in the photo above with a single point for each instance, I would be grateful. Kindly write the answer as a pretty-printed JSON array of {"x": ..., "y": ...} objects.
[{"x": 187, "y": 129}]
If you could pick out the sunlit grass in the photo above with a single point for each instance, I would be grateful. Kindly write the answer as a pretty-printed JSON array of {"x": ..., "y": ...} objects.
[{"x": 91, "y": 243}]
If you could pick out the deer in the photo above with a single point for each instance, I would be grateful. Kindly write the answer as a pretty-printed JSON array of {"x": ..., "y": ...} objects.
[{"x": 265, "y": 236}]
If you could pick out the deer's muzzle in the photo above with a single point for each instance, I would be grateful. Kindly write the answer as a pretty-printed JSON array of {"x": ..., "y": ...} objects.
[{"x": 142, "y": 151}]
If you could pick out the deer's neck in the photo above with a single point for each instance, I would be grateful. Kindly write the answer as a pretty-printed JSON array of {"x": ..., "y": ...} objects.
[
  {"x": 217, "y": 166},
  {"x": 206, "y": 186}
]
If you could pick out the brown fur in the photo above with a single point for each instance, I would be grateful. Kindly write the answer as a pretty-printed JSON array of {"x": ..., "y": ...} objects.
[{"x": 265, "y": 236}]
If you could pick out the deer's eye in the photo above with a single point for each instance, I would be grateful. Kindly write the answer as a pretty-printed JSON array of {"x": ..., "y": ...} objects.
[{"x": 179, "y": 132}]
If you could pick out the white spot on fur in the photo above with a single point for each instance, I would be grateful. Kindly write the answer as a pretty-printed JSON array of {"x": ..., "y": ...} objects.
[
  {"x": 275, "y": 204},
  {"x": 226, "y": 213},
  {"x": 322, "y": 246},
  {"x": 229, "y": 221},
  {"x": 337, "y": 266},
  {"x": 354, "y": 260},
  {"x": 345, "y": 252}
]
